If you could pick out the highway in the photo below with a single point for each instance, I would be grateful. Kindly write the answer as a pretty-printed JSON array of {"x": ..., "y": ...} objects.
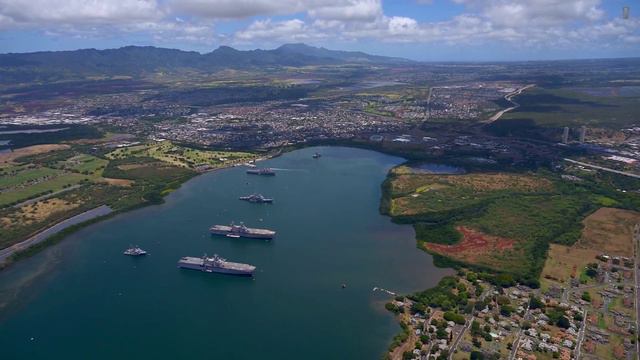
[
  {"x": 603, "y": 168},
  {"x": 509, "y": 98}
]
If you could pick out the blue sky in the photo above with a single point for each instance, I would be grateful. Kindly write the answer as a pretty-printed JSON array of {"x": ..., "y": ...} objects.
[{"x": 433, "y": 30}]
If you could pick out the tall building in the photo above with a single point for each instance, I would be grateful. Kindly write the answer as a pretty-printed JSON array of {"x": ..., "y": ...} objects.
[
  {"x": 583, "y": 132},
  {"x": 565, "y": 135},
  {"x": 625, "y": 12}
]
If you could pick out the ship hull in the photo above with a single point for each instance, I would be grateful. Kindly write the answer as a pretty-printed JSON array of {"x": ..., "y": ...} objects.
[
  {"x": 265, "y": 201},
  {"x": 243, "y": 235},
  {"x": 215, "y": 270},
  {"x": 258, "y": 172}
]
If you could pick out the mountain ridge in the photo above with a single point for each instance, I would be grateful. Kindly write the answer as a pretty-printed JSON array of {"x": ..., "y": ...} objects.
[{"x": 140, "y": 60}]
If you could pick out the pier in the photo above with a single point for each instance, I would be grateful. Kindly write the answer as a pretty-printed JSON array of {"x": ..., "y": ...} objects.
[{"x": 384, "y": 291}]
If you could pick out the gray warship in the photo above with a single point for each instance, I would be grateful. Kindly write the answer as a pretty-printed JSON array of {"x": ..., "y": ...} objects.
[
  {"x": 216, "y": 264},
  {"x": 263, "y": 172},
  {"x": 256, "y": 198},
  {"x": 135, "y": 251},
  {"x": 236, "y": 231}
]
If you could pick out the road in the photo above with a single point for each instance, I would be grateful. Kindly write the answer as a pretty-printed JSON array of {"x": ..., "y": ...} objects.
[
  {"x": 45, "y": 234},
  {"x": 34, "y": 200},
  {"x": 508, "y": 97},
  {"x": 603, "y": 168},
  {"x": 581, "y": 334},
  {"x": 516, "y": 343},
  {"x": 454, "y": 346}
]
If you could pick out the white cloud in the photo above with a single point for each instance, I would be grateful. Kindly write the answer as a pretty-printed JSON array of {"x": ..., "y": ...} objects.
[
  {"x": 6, "y": 22},
  {"x": 102, "y": 18},
  {"x": 221, "y": 9},
  {"x": 531, "y": 23},
  {"x": 400, "y": 25},
  {"x": 520, "y": 13},
  {"x": 328, "y": 9},
  {"x": 42, "y": 12},
  {"x": 350, "y": 10},
  {"x": 294, "y": 30},
  {"x": 521, "y": 23}
]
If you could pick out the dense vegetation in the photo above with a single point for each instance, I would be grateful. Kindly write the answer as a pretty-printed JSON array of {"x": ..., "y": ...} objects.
[
  {"x": 152, "y": 178},
  {"x": 68, "y": 132},
  {"x": 514, "y": 216},
  {"x": 596, "y": 107},
  {"x": 227, "y": 95}
]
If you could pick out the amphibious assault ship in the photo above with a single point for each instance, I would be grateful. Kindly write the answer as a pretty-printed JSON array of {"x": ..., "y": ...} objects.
[
  {"x": 256, "y": 198},
  {"x": 237, "y": 231},
  {"x": 263, "y": 172},
  {"x": 216, "y": 264}
]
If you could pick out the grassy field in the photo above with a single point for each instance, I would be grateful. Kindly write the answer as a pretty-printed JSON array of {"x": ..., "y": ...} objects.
[
  {"x": 565, "y": 262},
  {"x": 423, "y": 194},
  {"x": 181, "y": 156},
  {"x": 609, "y": 231},
  {"x": 123, "y": 179},
  {"x": 41, "y": 188},
  {"x": 577, "y": 107},
  {"x": 606, "y": 231},
  {"x": 19, "y": 223},
  {"x": 8, "y": 158},
  {"x": 85, "y": 164},
  {"x": 21, "y": 175}
]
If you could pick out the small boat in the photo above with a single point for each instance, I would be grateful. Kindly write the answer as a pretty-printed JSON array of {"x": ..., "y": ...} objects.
[
  {"x": 317, "y": 155},
  {"x": 135, "y": 251}
]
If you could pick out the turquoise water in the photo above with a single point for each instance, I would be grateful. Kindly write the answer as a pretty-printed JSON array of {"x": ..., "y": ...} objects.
[{"x": 83, "y": 299}]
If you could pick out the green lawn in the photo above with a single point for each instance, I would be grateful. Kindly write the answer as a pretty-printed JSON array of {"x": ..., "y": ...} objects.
[
  {"x": 85, "y": 164},
  {"x": 22, "y": 176},
  {"x": 42, "y": 188},
  {"x": 181, "y": 156}
]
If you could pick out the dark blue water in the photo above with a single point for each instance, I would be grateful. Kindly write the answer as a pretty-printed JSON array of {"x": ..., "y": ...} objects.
[{"x": 83, "y": 299}]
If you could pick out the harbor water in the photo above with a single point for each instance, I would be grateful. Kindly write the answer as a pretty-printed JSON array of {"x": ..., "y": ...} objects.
[{"x": 83, "y": 299}]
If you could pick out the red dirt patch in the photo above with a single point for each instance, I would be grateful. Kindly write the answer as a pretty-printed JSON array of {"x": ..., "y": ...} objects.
[
  {"x": 474, "y": 244},
  {"x": 618, "y": 352}
]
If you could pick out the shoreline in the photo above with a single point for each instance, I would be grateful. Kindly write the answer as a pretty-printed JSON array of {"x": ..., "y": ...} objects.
[
  {"x": 8, "y": 254},
  {"x": 21, "y": 251},
  {"x": 32, "y": 249}
]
